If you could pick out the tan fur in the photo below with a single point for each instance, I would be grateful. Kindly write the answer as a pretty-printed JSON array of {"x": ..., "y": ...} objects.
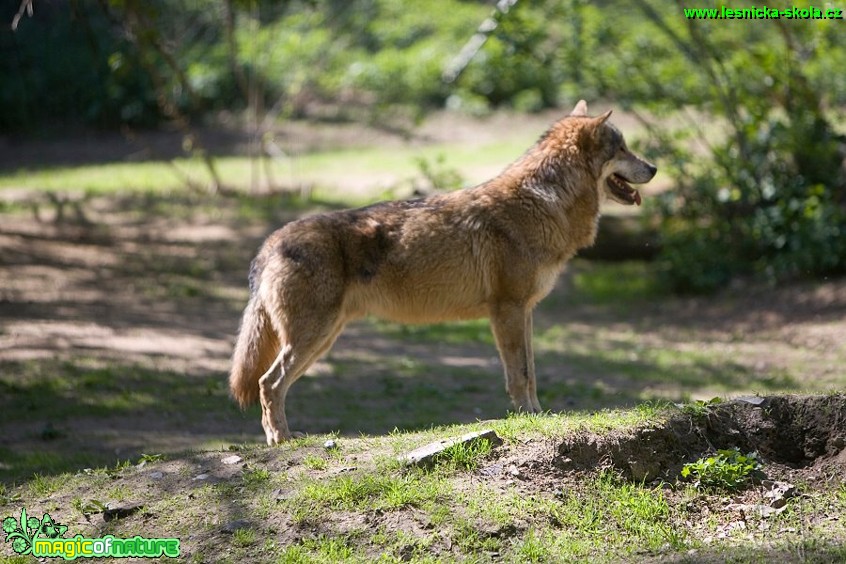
[{"x": 494, "y": 251}]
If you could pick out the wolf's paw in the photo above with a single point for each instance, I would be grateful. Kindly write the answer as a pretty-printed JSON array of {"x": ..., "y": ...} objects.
[{"x": 275, "y": 437}]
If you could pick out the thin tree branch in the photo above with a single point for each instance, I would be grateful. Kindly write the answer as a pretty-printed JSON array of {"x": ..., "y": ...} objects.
[
  {"x": 26, "y": 6},
  {"x": 457, "y": 65}
]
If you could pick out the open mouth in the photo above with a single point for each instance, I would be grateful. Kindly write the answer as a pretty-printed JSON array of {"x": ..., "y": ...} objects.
[{"x": 622, "y": 190}]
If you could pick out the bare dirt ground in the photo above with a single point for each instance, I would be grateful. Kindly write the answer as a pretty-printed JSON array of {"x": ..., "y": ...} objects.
[{"x": 116, "y": 327}]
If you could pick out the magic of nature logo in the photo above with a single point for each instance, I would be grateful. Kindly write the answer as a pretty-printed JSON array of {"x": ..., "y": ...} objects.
[{"x": 45, "y": 538}]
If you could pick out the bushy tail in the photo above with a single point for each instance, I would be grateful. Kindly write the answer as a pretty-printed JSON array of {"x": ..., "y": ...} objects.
[{"x": 255, "y": 351}]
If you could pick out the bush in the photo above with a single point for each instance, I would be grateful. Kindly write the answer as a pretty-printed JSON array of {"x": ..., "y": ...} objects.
[
  {"x": 729, "y": 469},
  {"x": 766, "y": 197}
]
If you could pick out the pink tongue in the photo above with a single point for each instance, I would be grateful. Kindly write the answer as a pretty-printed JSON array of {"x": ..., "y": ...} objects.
[{"x": 637, "y": 197}]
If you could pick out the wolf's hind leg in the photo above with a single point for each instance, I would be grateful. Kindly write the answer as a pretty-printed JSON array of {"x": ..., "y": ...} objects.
[{"x": 293, "y": 361}]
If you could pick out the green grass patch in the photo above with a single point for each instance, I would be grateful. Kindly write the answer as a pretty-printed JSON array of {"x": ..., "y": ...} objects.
[
  {"x": 465, "y": 456},
  {"x": 315, "y": 462},
  {"x": 458, "y": 332},
  {"x": 256, "y": 477},
  {"x": 615, "y": 282},
  {"x": 617, "y": 514},
  {"x": 372, "y": 492},
  {"x": 56, "y": 404},
  {"x": 320, "y": 549},
  {"x": 321, "y": 169},
  {"x": 42, "y": 486},
  {"x": 554, "y": 425}
]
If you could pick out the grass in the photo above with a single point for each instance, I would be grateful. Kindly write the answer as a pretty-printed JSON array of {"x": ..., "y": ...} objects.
[
  {"x": 381, "y": 511},
  {"x": 321, "y": 170},
  {"x": 315, "y": 462},
  {"x": 42, "y": 486},
  {"x": 465, "y": 456},
  {"x": 367, "y": 492}
]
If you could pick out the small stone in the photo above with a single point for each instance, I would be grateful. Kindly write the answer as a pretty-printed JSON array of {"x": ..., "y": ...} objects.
[
  {"x": 234, "y": 459},
  {"x": 280, "y": 495},
  {"x": 156, "y": 475},
  {"x": 330, "y": 444},
  {"x": 115, "y": 511},
  {"x": 492, "y": 470},
  {"x": 753, "y": 400},
  {"x": 427, "y": 454},
  {"x": 233, "y": 526},
  {"x": 200, "y": 477}
]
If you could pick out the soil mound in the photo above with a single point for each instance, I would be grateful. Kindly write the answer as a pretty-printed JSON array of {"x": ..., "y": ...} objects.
[{"x": 805, "y": 434}]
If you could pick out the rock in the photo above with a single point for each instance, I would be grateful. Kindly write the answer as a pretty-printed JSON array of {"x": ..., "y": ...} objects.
[
  {"x": 119, "y": 511},
  {"x": 427, "y": 455},
  {"x": 778, "y": 492},
  {"x": 234, "y": 459},
  {"x": 200, "y": 477},
  {"x": 156, "y": 475},
  {"x": 330, "y": 444},
  {"x": 492, "y": 470},
  {"x": 764, "y": 511},
  {"x": 754, "y": 400},
  {"x": 233, "y": 526},
  {"x": 346, "y": 469},
  {"x": 280, "y": 495}
]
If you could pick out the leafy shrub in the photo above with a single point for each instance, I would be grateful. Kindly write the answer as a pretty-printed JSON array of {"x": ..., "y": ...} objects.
[
  {"x": 758, "y": 165},
  {"x": 728, "y": 469}
]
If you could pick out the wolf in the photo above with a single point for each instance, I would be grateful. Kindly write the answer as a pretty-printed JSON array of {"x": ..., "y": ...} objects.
[{"x": 493, "y": 250}]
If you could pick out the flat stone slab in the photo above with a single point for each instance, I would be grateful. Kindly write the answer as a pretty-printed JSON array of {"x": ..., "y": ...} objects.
[{"x": 427, "y": 454}]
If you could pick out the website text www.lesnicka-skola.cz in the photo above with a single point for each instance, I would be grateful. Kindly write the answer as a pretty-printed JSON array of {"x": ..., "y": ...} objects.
[{"x": 826, "y": 12}]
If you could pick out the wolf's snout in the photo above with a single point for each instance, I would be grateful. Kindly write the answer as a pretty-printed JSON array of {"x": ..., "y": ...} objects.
[
  {"x": 642, "y": 172},
  {"x": 652, "y": 170}
]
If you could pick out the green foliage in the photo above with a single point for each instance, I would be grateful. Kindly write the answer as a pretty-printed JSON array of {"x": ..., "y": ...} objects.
[
  {"x": 40, "y": 485},
  {"x": 701, "y": 408},
  {"x": 757, "y": 162},
  {"x": 728, "y": 469},
  {"x": 438, "y": 176},
  {"x": 89, "y": 507},
  {"x": 67, "y": 64}
]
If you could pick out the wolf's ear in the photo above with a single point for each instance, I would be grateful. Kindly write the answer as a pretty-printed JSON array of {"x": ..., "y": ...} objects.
[
  {"x": 594, "y": 126},
  {"x": 580, "y": 110},
  {"x": 603, "y": 118}
]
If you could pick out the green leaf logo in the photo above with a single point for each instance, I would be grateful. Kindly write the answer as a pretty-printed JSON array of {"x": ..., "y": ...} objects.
[{"x": 22, "y": 532}]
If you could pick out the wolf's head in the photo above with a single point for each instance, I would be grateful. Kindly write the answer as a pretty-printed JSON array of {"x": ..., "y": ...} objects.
[{"x": 609, "y": 159}]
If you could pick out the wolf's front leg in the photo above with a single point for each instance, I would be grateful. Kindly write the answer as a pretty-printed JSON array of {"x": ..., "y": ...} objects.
[
  {"x": 511, "y": 325},
  {"x": 530, "y": 355}
]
